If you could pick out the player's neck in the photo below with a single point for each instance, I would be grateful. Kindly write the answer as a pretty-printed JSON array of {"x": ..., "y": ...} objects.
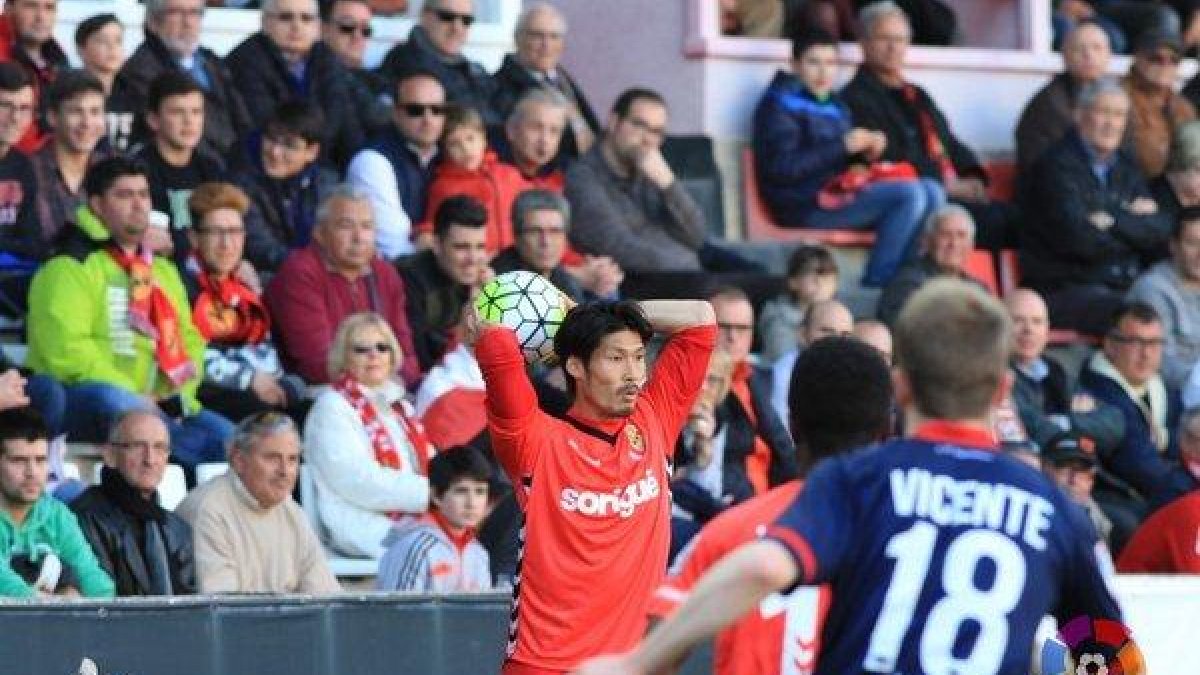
[
  {"x": 914, "y": 420},
  {"x": 585, "y": 409}
]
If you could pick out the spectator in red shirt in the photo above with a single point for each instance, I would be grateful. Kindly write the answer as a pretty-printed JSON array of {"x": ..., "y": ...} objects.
[
  {"x": 1169, "y": 541},
  {"x": 336, "y": 275},
  {"x": 471, "y": 169}
]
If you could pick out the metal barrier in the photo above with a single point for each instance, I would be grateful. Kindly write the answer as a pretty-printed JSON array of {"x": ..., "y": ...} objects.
[{"x": 250, "y": 635}]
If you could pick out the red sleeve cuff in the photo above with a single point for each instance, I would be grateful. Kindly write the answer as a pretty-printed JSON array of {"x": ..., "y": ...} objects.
[{"x": 799, "y": 548}]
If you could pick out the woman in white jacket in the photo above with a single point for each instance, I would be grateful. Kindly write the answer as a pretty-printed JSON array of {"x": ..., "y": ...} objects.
[{"x": 363, "y": 441}]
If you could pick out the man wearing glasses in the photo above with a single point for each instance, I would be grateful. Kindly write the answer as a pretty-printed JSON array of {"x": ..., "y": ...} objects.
[
  {"x": 146, "y": 549},
  {"x": 396, "y": 168},
  {"x": 285, "y": 61},
  {"x": 172, "y": 44},
  {"x": 436, "y": 45},
  {"x": 346, "y": 28},
  {"x": 1125, "y": 373},
  {"x": 27, "y": 39}
]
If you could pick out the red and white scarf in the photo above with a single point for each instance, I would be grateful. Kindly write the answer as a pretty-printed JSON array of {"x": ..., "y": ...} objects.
[
  {"x": 227, "y": 311},
  {"x": 386, "y": 452},
  {"x": 152, "y": 314}
]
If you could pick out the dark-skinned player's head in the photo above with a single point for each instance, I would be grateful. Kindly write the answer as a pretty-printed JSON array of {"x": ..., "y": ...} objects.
[
  {"x": 602, "y": 348},
  {"x": 840, "y": 398},
  {"x": 952, "y": 342}
]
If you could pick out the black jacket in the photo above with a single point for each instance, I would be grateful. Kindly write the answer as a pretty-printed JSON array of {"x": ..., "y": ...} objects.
[
  {"x": 263, "y": 77},
  {"x": 873, "y": 105},
  {"x": 465, "y": 81},
  {"x": 513, "y": 80},
  {"x": 226, "y": 119},
  {"x": 282, "y": 213},
  {"x": 117, "y": 536},
  {"x": 1061, "y": 246},
  {"x": 434, "y": 305}
]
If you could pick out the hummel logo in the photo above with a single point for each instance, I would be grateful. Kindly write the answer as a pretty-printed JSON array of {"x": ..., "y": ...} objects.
[{"x": 592, "y": 461}]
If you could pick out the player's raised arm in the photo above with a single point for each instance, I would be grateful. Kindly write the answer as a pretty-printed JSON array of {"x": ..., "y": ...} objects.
[
  {"x": 668, "y": 316},
  {"x": 733, "y": 587}
]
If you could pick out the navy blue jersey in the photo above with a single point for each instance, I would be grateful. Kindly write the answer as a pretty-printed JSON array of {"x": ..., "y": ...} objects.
[{"x": 944, "y": 556}]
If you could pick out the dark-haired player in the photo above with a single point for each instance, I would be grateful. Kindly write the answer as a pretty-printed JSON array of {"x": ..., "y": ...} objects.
[
  {"x": 943, "y": 554},
  {"x": 593, "y": 486},
  {"x": 840, "y": 398}
]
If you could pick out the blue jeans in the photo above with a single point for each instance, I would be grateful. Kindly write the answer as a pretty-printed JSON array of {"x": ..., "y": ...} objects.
[
  {"x": 92, "y": 407},
  {"x": 896, "y": 210},
  {"x": 47, "y": 396}
]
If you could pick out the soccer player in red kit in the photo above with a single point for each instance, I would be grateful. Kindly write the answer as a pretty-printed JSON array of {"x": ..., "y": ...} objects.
[
  {"x": 840, "y": 398},
  {"x": 594, "y": 485}
]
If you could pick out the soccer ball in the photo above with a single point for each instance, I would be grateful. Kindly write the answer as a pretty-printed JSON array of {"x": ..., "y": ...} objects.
[{"x": 528, "y": 304}]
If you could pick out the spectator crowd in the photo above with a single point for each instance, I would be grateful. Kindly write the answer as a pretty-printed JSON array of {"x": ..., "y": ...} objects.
[{"x": 261, "y": 261}]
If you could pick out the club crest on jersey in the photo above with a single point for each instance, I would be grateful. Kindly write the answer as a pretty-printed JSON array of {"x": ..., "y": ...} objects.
[{"x": 634, "y": 436}]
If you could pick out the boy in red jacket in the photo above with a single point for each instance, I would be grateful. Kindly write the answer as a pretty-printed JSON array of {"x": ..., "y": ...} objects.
[{"x": 471, "y": 169}]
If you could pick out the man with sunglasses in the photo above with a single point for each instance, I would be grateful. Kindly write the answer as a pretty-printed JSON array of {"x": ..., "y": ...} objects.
[
  {"x": 1155, "y": 108},
  {"x": 346, "y": 28},
  {"x": 172, "y": 44},
  {"x": 395, "y": 169},
  {"x": 1126, "y": 373},
  {"x": 286, "y": 60},
  {"x": 436, "y": 44}
]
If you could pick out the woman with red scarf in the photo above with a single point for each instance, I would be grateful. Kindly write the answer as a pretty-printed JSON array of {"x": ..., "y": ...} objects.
[
  {"x": 242, "y": 372},
  {"x": 364, "y": 442}
]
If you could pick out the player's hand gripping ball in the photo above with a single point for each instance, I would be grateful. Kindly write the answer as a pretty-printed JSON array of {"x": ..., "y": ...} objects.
[{"x": 528, "y": 304}]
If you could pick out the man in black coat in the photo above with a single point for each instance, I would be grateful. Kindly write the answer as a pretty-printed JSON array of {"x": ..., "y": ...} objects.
[
  {"x": 436, "y": 45},
  {"x": 1093, "y": 224},
  {"x": 540, "y": 35},
  {"x": 172, "y": 44},
  {"x": 146, "y": 549},
  {"x": 284, "y": 61}
]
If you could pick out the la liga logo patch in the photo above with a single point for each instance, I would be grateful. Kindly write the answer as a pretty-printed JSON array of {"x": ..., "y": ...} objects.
[{"x": 1092, "y": 647}]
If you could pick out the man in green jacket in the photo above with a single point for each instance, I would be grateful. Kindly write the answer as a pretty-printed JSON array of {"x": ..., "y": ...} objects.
[
  {"x": 111, "y": 321},
  {"x": 42, "y": 550}
]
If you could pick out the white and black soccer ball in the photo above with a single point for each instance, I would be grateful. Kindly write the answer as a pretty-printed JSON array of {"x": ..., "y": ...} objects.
[{"x": 530, "y": 305}]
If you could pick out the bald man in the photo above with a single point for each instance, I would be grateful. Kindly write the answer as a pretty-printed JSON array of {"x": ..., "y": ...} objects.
[
  {"x": 876, "y": 334},
  {"x": 824, "y": 319},
  {"x": 1046, "y": 398}
]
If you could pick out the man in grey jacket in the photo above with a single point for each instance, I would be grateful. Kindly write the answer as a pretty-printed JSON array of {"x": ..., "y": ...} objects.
[{"x": 1172, "y": 287}]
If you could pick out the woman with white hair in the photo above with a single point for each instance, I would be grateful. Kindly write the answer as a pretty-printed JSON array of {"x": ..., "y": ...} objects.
[{"x": 363, "y": 441}]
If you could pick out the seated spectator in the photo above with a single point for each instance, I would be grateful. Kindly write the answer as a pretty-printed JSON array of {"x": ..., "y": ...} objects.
[
  {"x": 1166, "y": 542},
  {"x": 112, "y": 322},
  {"x": 172, "y": 45},
  {"x": 946, "y": 244},
  {"x": 146, "y": 549},
  {"x": 336, "y": 275},
  {"x": 541, "y": 219},
  {"x": 626, "y": 200},
  {"x": 27, "y": 40},
  {"x": 242, "y": 371},
  {"x": 1125, "y": 374},
  {"x": 880, "y": 98},
  {"x": 21, "y": 243},
  {"x": 439, "y": 553},
  {"x": 367, "y": 449},
  {"x": 469, "y": 168},
  {"x": 1070, "y": 461},
  {"x": 1092, "y": 220},
  {"x": 345, "y": 28},
  {"x": 1172, "y": 287},
  {"x": 285, "y": 183},
  {"x": 1155, "y": 109},
  {"x": 435, "y": 44},
  {"x": 1124, "y": 20},
  {"x": 20, "y": 388},
  {"x": 1179, "y": 186},
  {"x": 823, "y": 319},
  {"x": 75, "y": 113},
  {"x": 439, "y": 280},
  {"x": 250, "y": 536},
  {"x": 35, "y": 527},
  {"x": 1050, "y": 114},
  {"x": 100, "y": 43},
  {"x": 535, "y": 65},
  {"x": 174, "y": 162},
  {"x": 812, "y": 277},
  {"x": 877, "y": 335},
  {"x": 533, "y": 133},
  {"x": 1046, "y": 399},
  {"x": 285, "y": 61},
  {"x": 804, "y": 140},
  {"x": 395, "y": 168}
]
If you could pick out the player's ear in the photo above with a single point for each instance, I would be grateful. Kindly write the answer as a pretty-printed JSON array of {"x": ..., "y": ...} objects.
[
  {"x": 574, "y": 368},
  {"x": 901, "y": 389}
]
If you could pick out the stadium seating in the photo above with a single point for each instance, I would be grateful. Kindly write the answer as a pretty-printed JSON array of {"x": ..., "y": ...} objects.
[{"x": 353, "y": 568}]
